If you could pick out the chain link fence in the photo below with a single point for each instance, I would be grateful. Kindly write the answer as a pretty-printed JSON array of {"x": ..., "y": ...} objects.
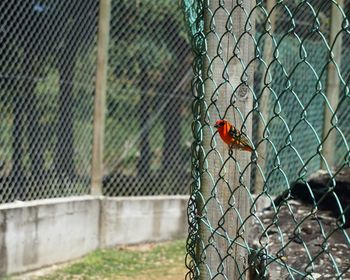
[
  {"x": 283, "y": 71},
  {"x": 48, "y": 66},
  {"x": 148, "y": 135},
  {"x": 47, "y": 58},
  {"x": 278, "y": 71}
]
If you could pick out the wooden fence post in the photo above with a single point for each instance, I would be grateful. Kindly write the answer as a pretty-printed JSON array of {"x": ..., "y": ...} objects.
[
  {"x": 224, "y": 186},
  {"x": 333, "y": 85},
  {"x": 100, "y": 97}
]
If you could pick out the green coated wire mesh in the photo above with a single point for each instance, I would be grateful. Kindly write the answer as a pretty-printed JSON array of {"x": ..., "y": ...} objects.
[{"x": 297, "y": 83}]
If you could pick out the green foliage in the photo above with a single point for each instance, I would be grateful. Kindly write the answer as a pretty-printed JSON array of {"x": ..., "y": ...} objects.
[{"x": 143, "y": 56}]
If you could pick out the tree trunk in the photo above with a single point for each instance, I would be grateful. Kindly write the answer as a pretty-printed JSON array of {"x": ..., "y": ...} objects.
[
  {"x": 65, "y": 120},
  {"x": 143, "y": 165},
  {"x": 17, "y": 172},
  {"x": 26, "y": 124}
]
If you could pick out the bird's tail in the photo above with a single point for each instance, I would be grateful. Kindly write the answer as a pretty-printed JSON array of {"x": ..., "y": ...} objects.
[{"x": 250, "y": 149}]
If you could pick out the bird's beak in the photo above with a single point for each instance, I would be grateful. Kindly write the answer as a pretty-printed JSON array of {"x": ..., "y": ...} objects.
[{"x": 216, "y": 125}]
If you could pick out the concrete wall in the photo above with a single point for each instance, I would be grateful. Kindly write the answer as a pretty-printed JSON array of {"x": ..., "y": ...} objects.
[
  {"x": 144, "y": 219},
  {"x": 40, "y": 233}
]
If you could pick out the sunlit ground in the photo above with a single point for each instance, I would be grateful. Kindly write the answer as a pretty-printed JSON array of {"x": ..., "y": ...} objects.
[{"x": 141, "y": 262}]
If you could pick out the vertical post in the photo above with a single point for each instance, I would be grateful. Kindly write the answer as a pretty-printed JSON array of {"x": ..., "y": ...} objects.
[
  {"x": 264, "y": 99},
  {"x": 100, "y": 97},
  {"x": 224, "y": 187},
  {"x": 333, "y": 84}
]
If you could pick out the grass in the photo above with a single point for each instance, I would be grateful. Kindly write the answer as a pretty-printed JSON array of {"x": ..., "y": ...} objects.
[{"x": 143, "y": 262}]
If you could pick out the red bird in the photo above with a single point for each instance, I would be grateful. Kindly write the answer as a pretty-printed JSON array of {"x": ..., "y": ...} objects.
[{"x": 233, "y": 137}]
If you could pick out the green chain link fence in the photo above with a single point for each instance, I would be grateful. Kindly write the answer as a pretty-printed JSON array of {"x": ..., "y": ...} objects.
[
  {"x": 274, "y": 69},
  {"x": 285, "y": 63}
]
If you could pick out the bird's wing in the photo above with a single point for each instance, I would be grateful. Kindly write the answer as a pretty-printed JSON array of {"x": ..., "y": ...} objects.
[{"x": 239, "y": 137}]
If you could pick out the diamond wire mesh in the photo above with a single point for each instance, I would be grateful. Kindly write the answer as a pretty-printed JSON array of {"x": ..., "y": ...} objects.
[
  {"x": 48, "y": 58},
  {"x": 293, "y": 85},
  {"x": 147, "y": 140},
  {"x": 47, "y": 55},
  {"x": 289, "y": 239}
]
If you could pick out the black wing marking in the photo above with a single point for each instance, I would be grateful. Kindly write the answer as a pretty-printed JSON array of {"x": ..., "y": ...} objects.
[
  {"x": 233, "y": 132},
  {"x": 239, "y": 137}
]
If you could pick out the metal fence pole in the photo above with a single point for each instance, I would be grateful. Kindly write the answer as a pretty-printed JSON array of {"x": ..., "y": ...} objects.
[
  {"x": 100, "y": 97},
  {"x": 224, "y": 187},
  {"x": 333, "y": 84}
]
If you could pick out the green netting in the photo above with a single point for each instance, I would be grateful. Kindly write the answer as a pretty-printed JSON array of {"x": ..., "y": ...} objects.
[
  {"x": 295, "y": 112},
  {"x": 290, "y": 60}
]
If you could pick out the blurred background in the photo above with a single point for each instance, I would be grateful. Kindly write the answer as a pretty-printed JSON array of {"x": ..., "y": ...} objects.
[{"x": 47, "y": 87}]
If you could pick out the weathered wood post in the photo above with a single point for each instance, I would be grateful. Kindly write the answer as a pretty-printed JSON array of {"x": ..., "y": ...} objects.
[
  {"x": 333, "y": 84},
  {"x": 224, "y": 185},
  {"x": 100, "y": 97}
]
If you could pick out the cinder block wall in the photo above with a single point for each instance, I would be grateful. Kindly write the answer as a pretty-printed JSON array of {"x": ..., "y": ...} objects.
[{"x": 39, "y": 233}]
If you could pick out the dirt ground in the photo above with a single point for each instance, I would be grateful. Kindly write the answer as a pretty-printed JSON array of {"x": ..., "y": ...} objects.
[{"x": 302, "y": 243}]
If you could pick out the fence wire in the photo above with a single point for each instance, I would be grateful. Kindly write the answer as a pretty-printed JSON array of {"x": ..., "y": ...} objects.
[
  {"x": 48, "y": 55},
  {"x": 297, "y": 78},
  {"x": 48, "y": 61},
  {"x": 148, "y": 136}
]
